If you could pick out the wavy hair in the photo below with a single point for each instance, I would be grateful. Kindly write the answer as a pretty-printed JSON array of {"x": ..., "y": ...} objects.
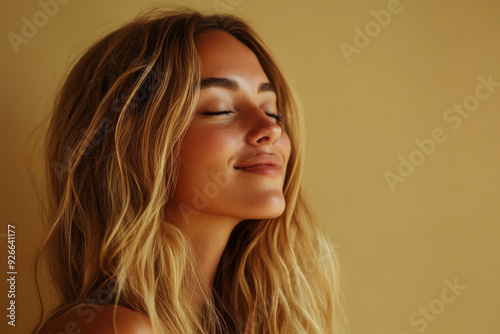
[{"x": 111, "y": 155}]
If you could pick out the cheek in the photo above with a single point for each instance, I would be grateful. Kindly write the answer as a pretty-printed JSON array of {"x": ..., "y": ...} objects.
[
  {"x": 206, "y": 149},
  {"x": 286, "y": 146}
]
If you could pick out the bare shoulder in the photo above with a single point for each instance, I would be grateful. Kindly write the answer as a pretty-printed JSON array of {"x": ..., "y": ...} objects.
[{"x": 98, "y": 319}]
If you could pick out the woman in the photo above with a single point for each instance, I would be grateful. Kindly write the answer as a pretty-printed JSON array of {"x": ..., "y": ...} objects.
[{"x": 175, "y": 156}]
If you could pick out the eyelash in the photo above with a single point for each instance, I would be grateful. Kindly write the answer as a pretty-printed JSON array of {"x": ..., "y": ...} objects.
[{"x": 278, "y": 118}]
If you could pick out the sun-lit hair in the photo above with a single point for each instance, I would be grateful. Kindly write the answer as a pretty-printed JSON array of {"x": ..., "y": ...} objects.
[{"x": 112, "y": 159}]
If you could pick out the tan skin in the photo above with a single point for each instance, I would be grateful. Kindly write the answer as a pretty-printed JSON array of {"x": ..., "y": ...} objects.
[{"x": 215, "y": 145}]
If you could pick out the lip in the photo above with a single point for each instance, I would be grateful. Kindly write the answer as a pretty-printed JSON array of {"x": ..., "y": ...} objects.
[
  {"x": 264, "y": 164},
  {"x": 269, "y": 170},
  {"x": 268, "y": 159}
]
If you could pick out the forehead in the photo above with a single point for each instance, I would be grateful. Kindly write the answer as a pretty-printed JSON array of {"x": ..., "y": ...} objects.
[{"x": 222, "y": 55}]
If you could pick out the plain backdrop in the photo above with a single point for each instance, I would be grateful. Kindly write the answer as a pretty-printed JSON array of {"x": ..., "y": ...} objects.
[{"x": 405, "y": 185}]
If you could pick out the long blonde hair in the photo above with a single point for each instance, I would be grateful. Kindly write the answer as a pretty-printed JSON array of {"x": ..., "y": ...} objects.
[{"x": 112, "y": 153}]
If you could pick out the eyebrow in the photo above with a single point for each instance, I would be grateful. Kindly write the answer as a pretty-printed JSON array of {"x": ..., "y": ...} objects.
[{"x": 231, "y": 84}]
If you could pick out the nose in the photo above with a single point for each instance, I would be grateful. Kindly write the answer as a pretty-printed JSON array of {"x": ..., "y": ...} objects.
[{"x": 264, "y": 129}]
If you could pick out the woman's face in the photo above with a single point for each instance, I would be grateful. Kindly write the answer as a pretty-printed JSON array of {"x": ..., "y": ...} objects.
[{"x": 233, "y": 129}]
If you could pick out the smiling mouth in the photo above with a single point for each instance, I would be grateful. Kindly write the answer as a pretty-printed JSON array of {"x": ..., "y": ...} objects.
[
  {"x": 264, "y": 159},
  {"x": 266, "y": 170},
  {"x": 257, "y": 166}
]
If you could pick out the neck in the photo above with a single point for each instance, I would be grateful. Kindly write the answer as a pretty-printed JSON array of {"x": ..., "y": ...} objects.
[
  {"x": 208, "y": 245},
  {"x": 209, "y": 235}
]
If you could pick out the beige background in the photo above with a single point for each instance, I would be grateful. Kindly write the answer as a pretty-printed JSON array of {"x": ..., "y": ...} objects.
[{"x": 397, "y": 247}]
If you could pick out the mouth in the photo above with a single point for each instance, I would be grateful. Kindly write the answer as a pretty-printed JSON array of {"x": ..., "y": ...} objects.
[
  {"x": 262, "y": 169},
  {"x": 268, "y": 164},
  {"x": 265, "y": 159},
  {"x": 257, "y": 165}
]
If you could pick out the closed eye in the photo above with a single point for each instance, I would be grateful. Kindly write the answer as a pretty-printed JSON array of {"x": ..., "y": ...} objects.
[
  {"x": 209, "y": 113},
  {"x": 278, "y": 118}
]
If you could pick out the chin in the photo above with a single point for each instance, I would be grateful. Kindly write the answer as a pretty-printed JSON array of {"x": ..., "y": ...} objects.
[{"x": 268, "y": 210}]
